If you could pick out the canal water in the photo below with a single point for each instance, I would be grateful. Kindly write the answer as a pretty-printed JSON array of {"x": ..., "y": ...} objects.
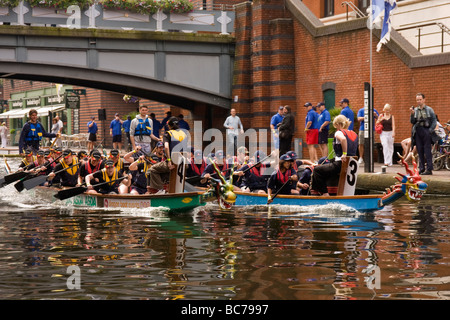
[{"x": 51, "y": 251}]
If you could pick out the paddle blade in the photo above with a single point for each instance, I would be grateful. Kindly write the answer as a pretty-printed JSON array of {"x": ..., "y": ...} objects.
[
  {"x": 34, "y": 182},
  {"x": 68, "y": 193},
  {"x": 19, "y": 186},
  {"x": 10, "y": 178}
]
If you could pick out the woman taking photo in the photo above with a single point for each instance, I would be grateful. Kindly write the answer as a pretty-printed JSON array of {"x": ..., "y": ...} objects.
[{"x": 388, "y": 134}]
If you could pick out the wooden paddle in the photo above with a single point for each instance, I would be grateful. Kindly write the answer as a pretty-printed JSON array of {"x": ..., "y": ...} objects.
[
  {"x": 68, "y": 193},
  {"x": 269, "y": 201},
  {"x": 34, "y": 182},
  {"x": 20, "y": 185}
]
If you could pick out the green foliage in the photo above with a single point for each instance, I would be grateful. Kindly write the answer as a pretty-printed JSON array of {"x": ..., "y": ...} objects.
[
  {"x": 9, "y": 3},
  {"x": 62, "y": 4},
  {"x": 12, "y": 131},
  {"x": 149, "y": 6},
  {"x": 333, "y": 113}
]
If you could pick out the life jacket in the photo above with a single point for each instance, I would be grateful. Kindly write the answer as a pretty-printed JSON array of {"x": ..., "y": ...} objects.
[
  {"x": 352, "y": 143},
  {"x": 176, "y": 137},
  {"x": 72, "y": 171},
  {"x": 89, "y": 169},
  {"x": 258, "y": 171},
  {"x": 119, "y": 164},
  {"x": 196, "y": 169},
  {"x": 143, "y": 128},
  {"x": 107, "y": 178},
  {"x": 25, "y": 162},
  {"x": 35, "y": 133},
  {"x": 283, "y": 177}
]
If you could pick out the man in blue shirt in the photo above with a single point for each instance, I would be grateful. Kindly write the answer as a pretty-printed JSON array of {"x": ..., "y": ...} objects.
[
  {"x": 115, "y": 130},
  {"x": 92, "y": 130},
  {"x": 182, "y": 124},
  {"x": 360, "y": 116},
  {"x": 346, "y": 111},
  {"x": 323, "y": 120},
  {"x": 126, "y": 128},
  {"x": 312, "y": 131},
  {"x": 276, "y": 119}
]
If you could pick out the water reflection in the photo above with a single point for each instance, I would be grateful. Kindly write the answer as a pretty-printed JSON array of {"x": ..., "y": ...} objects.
[{"x": 400, "y": 252}]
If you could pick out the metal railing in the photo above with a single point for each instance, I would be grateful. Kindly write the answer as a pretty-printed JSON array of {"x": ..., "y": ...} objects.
[
  {"x": 442, "y": 32},
  {"x": 354, "y": 8}
]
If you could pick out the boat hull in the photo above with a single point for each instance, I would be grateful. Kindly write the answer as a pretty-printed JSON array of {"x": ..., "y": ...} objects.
[
  {"x": 363, "y": 203},
  {"x": 178, "y": 202}
]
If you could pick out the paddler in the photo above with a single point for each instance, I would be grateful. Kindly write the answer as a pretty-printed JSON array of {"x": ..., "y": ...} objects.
[
  {"x": 139, "y": 169},
  {"x": 195, "y": 168},
  {"x": 39, "y": 165},
  {"x": 114, "y": 155},
  {"x": 283, "y": 180},
  {"x": 108, "y": 174},
  {"x": 256, "y": 175},
  {"x": 69, "y": 177},
  {"x": 93, "y": 164},
  {"x": 27, "y": 160}
]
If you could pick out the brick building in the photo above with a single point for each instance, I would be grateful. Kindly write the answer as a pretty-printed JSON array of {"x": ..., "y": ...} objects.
[{"x": 285, "y": 54}]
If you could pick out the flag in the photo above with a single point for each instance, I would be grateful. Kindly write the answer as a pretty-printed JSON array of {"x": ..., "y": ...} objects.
[
  {"x": 377, "y": 10},
  {"x": 389, "y": 6}
]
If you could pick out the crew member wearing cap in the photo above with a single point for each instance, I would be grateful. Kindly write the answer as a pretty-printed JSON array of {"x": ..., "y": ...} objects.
[
  {"x": 114, "y": 155},
  {"x": 175, "y": 140},
  {"x": 108, "y": 174},
  {"x": 196, "y": 167},
  {"x": 283, "y": 180},
  {"x": 140, "y": 179},
  {"x": 115, "y": 130},
  {"x": 345, "y": 144},
  {"x": 68, "y": 177},
  {"x": 93, "y": 164},
  {"x": 312, "y": 131},
  {"x": 32, "y": 133},
  {"x": 28, "y": 159},
  {"x": 346, "y": 111},
  {"x": 221, "y": 164},
  {"x": 255, "y": 178},
  {"x": 38, "y": 166}
]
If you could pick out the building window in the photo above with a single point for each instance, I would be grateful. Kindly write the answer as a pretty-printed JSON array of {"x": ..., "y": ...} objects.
[
  {"x": 329, "y": 98},
  {"x": 363, "y": 5},
  {"x": 328, "y": 8}
]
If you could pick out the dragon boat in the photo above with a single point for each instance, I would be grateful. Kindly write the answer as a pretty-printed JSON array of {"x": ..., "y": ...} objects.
[
  {"x": 409, "y": 185},
  {"x": 176, "y": 200}
]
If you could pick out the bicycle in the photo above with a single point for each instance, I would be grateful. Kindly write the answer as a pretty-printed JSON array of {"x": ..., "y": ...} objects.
[{"x": 441, "y": 156}]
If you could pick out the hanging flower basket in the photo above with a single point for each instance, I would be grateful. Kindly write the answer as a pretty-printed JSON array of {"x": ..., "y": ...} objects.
[
  {"x": 130, "y": 99},
  {"x": 61, "y": 4},
  {"x": 148, "y": 7}
]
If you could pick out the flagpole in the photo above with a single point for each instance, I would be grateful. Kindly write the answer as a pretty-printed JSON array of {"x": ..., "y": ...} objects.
[{"x": 370, "y": 120}]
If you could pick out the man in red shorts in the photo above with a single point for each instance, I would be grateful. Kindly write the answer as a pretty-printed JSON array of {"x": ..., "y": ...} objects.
[{"x": 312, "y": 131}]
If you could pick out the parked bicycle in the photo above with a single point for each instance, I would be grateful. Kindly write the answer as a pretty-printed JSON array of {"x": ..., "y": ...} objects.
[{"x": 441, "y": 155}]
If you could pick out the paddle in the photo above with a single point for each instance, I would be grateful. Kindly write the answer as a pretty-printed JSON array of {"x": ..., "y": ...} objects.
[
  {"x": 269, "y": 201},
  {"x": 68, "y": 193},
  {"x": 260, "y": 161},
  {"x": 34, "y": 182},
  {"x": 20, "y": 185}
]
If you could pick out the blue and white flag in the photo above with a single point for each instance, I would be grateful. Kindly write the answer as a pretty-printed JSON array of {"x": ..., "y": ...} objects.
[
  {"x": 377, "y": 10},
  {"x": 389, "y": 6}
]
